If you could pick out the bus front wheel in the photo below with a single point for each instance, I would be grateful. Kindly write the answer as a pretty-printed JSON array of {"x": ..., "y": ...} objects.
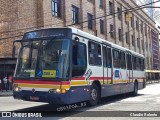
[{"x": 94, "y": 95}]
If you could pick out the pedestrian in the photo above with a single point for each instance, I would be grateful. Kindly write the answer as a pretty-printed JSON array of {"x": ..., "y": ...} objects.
[
  {"x": 5, "y": 81},
  {"x": 10, "y": 82}
]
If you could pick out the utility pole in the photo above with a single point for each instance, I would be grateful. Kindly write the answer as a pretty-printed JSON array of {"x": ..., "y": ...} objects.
[{"x": 151, "y": 9}]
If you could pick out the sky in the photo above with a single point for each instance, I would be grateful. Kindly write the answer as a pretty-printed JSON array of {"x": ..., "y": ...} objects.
[{"x": 157, "y": 4}]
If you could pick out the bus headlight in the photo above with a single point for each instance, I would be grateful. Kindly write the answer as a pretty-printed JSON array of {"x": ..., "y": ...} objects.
[
  {"x": 58, "y": 90},
  {"x": 63, "y": 91},
  {"x": 17, "y": 89}
]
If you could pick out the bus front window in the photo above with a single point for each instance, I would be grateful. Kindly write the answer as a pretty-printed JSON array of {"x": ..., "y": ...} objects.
[
  {"x": 44, "y": 59},
  {"x": 54, "y": 59},
  {"x": 27, "y": 59}
]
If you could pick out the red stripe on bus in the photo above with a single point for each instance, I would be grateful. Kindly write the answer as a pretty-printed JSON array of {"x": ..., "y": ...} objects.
[
  {"x": 65, "y": 83},
  {"x": 96, "y": 78},
  {"x": 36, "y": 82},
  {"x": 78, "y": 78}
]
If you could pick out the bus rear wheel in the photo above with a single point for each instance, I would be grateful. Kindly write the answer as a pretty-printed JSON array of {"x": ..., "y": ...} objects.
[{"x": 94, "y": 95}]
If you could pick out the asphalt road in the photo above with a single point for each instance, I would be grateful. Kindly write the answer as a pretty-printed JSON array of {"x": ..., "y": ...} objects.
[{"x": 146, "y": 103}]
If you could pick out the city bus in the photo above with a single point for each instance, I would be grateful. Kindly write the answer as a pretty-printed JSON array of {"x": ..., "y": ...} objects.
[{"x": 67, "y": 65}]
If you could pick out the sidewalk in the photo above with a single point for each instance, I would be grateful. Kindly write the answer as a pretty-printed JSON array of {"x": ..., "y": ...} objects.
[
  {"x": 6, "y": 93},
  {"x": 152, "y": 81}
]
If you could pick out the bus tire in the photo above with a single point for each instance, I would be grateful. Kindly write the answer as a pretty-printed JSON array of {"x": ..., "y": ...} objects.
[
  {"x": 135, "y": 91},
  {"x": 94, "y": 95}
]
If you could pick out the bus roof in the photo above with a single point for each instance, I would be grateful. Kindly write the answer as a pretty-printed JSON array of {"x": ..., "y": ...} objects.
[{"x": 90, "y": 36}]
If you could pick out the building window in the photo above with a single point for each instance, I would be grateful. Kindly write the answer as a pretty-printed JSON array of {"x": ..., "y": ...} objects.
[
  {"x": 56, "y": 7},
  {"x": 111, "y": 30},
  {"x": 137, "y": 26},
  {"x": 101, "y": 26},
  {"x": 120, "y": 34},
  {"x": 119, "y": 13},
  {"x": 101, "y": 3},
  {"x": 127, "y": 40},
  {"x": 132, "y": 22},
  {"x": 142, "y": 28},
  {"x": 138, "y": 42},
  {"x": 75, "y": 11},
  {"x": 146, "y": 30},
  {"x": 90, "y": 21},
  {"x": 142, "y": 42},
  {"x": 133, "y": 40},
  {"x": 90, "y": 0},
  {"x": 146, "y": 45},
  {"x": 110, "y": 8}
]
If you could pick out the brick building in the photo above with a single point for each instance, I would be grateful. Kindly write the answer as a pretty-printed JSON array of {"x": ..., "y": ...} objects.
[{"x": 93, "y": 16}]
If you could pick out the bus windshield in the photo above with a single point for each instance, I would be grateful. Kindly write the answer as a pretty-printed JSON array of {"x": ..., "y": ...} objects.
[{"x": 44, "y": 59}]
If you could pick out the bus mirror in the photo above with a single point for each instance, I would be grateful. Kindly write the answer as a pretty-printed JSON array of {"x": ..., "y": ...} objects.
[{"x": 76, "y": 39}]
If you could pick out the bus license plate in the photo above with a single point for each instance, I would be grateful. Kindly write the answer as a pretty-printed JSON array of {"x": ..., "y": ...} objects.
[{"x": 34, "y": 98}]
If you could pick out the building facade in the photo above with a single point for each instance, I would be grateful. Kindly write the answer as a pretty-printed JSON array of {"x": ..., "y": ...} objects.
[{"x": 106, "y": 19}]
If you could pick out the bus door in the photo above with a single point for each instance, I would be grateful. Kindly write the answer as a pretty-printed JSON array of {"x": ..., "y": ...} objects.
[
  {"x": 129, "y": 71},
  {"x": 107, "y": 64}
]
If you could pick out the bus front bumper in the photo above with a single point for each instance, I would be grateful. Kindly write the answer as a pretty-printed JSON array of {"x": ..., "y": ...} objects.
[{"x": 52, "y": 98}]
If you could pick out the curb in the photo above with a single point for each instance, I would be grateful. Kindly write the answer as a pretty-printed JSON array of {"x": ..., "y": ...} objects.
[
  {"x": 5, "y": 95},
  {"x": 10, "y": 93},
  {"x": 152, "y": 82}
]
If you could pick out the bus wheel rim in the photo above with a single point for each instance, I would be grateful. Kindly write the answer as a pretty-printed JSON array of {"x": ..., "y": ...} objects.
[{"x": 94, "y": 94}]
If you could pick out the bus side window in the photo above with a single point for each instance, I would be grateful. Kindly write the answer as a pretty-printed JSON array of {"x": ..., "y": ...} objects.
[
  {"x": 137, "y": 63},
  {"x": 109, "y": 58},
  {"x": 129, "y": 62},
  {"x": 79, "y": 61},
  {"x": 142, "y": 64},
  {"x": 116, "y": 58},
  {"x": 94, "y": 51},
  {"x": 134, "y": 62},
  {"x": 123, "y": 60},
  {"x": 104, "y": 57}
]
